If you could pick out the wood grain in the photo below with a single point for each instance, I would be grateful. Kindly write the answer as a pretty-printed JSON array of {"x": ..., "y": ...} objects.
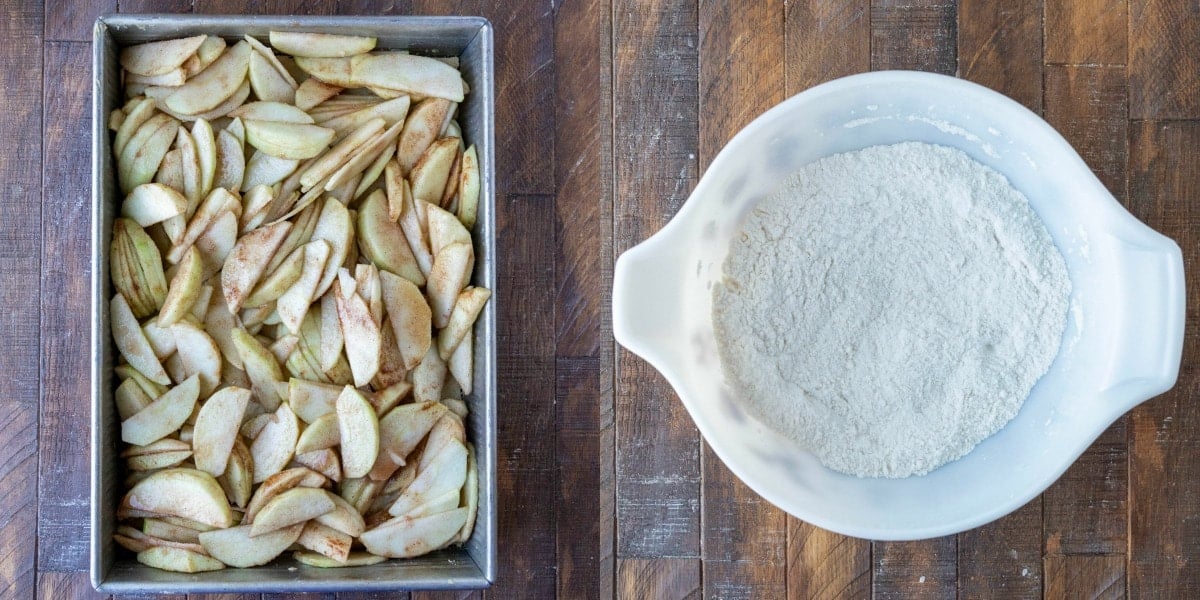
[
  {"x": 1085, "y": 511},
  {"x": 374, "y": 7},
  {"x": 823, "y": 565},
  {"x": 66, "y": 285},
  {"x": 1089, "y": 33},
  {"x": 527, "y": 471},
  {"x": 1000, "y": 46},
  {"x": 1086, "y": 578},
  {"x": 1164, "y": 473},
  {"x": 583, "y": 271},
  {"x": 446, "y": 595},
  {"x": 154, "y": 6},
  {"x": 913, "y": 34},
  {"x": 68, "y": 21},
  {"x": 905, "y": 570},
  {"x": 226, "y": 596},
  {"x": 662, "y": 579},
  {"x": 1003, "y": 558},
  {"x": 265, "y": 7},
  {"x": 825, "y": 39},
  {"x": 1088, "y": 106},
  {"x": 20, "y": 243},
  {"x": 59, "y": 586},
  {"x": 741, "y": 53},
  {"x": 1163, "y": 60},
  {"x": 654, "y": 168}
]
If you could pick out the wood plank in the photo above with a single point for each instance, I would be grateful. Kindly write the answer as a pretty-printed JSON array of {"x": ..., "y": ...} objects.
[
  {"x": 1164, "y": 473},
  {"x": 1085, "y": 577},
  {"x": 661, "y": 578},
  {"x": 583, "y": 270},
  {"x": 447, "y": 595},
  {"x": 68, "y": 21},
  {"x": 265, "y": 7},
  {"x": 744, "y": 537},
  {"x": 823, "y": 565},
  {"x": 1088, "y": 106},
  {"x": 299, "y": 596},
  {"x": 913, "y": 34},
  {"x": 374, "y": 7},
  {"x": 654, "y": 168},
  {"x": 20, "y": 242},
  {"x": 58, "y": 586},
  {"x": 525, "y": 84},
  {"x": 527, "y": 471},
  {"x": 1085, "y": 511},
  {"x": 1163, "y": 60},
  {"x": 1090, "y": 33},
  {"x": 911, "y": 570},
  {"x": 154, "y": 6},
  {"x": 66, "y": 284},
  {"x": 1000, "y": 46},
  {"x": 825, "y": 39},
  {"x": 225, "y": 596},
  {"x": 1003, "y": 558}
]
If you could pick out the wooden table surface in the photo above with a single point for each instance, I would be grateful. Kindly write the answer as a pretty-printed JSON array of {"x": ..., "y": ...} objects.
[{"x": 607, "y": 113}]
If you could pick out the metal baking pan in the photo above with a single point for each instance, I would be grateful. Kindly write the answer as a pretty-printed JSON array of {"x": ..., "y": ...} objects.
[{"x": 113, "y": 570}]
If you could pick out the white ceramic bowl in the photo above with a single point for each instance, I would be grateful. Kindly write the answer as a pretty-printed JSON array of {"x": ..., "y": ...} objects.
[{"x": 1122, "y": 344}]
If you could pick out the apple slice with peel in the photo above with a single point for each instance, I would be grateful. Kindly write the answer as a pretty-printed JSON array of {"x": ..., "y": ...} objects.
[
  {"x": 216, "y": 428},
  {"x": 468, "y": 188},
  {"x": 237, "y": 548},
  {"x": 325, "y": 540},
  {"x": 132, "y": 343},
  {"x": 210, "y": 87},
  {"x": 184, "y": 290},
  {"x": 290, "y": 507},
  {"x": 247, "y": 261},
  {"x": 178, "y": 560},
  {"x": 156, "y": 58},
  {"x": 287, "y": 140},
  {"x": 359, "y": 432},
  {"x": 409, "y": 73},
  {"x": 151, "y": 203},
  {"x": 181, "y": 492},
  {"x": 403, "y": 537},
  {"x": 383, "y": 242},
  {"x": 275, "y": 444},
  {"x": 320, "y": 44},
  {"x": 356, "y": 558}
]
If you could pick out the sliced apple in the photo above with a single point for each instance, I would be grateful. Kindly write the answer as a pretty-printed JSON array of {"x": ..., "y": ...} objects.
[
  {"x": 172, "y": 78},
  {"x": 151, "y": 203},
  {"x": 217, "y": 428},
  {"x": 206, "y": 54},
  {"x": 356, "y": 558},
  {"x": 208, "y": 88},
  {"x": 265, "y": 169},
  {"x": 401, "y": 429},
  {"x": 461, "y": 364},
  {"x": 312, "y": 400},
  {"x": 341, "y": 152},
  {"x": 359, "y": 432},
  {"x": 403, "y": 537},
  {"x": 131, "y": 342},
  {"x": 466, "y": 310},
  {"x": 294, "y": 303},
  {"x": 237, "y": 548},
  {"x": 470, "y": 496},
  {"x": 170, "y": 531},
  {"x": 181, "y": 492},
  {"x": 139, "y": 541},
  {"x": 267, "y": 82},
  {"x": 140, "y": 112},
  {"x": 358, "y": 325},
  {"x": 141, "y": 157},
  {"x": 272, "y": 111},
  {"x": 275, "y": 444},
  {"x": 446, "y": 472},
  {"x": 178, "y": 560},
  {"x": 199, "y": 354},
  {"x": 335, "y": 226},
  {"x": 429, "y": 176},
  {"x": 318, "y": 45},
  {"x": 217, "y": 242},
  {"x": 276, "y": 282},
  {"x": 275, "y": 61},
  {"x": 130, "y": 398},
  {"x": 260, "y": 366},
  {"x": 429, "y": 376},
  {"x": 296, "y": 505},
  {"x": 450, "y": 273},
  {"x": 157, "y": 460},
  {"x": 445, "y": 229},
  {"x": 287, "y": 140},
  {"x": 409, "y": 73},
  {"x": 313, "y": 92},
  {"x": 184, "y": 290},
  {"x": 156, "y": 58},
  {"x": 324, "y": 461},
  {"x": 247, "y": 261},
  {"x": 275, "y": 485},
  {"x": 333, "y": 71},
  {"x": 468, "y": 188},
  {"x": 391, "y": 111},
  {"x": 420, "y": 130},
  {"x": 237, "y": 481},
  {"x": 206, "y": 153},
  {"x": 218, "y": 202},
  {"x": 325, "y": 540},
  {"x": 409, "y": 315},
  {"x": 344, "y": 517}
]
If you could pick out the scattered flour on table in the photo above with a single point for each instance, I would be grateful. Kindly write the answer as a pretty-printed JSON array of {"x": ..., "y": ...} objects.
[{"x": 890, "y": 308}]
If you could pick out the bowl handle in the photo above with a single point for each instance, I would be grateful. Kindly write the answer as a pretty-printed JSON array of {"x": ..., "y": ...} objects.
[
  {"x": 1150, "y": 338},
  {"x": 646, "y": 300}
]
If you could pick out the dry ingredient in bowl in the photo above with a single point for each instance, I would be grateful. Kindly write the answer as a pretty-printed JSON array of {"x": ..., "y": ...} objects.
[{"x": 890, "y": 308}]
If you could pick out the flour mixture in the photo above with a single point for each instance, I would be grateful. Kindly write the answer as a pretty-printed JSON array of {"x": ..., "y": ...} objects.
[{"x": 890, "y": 308}]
